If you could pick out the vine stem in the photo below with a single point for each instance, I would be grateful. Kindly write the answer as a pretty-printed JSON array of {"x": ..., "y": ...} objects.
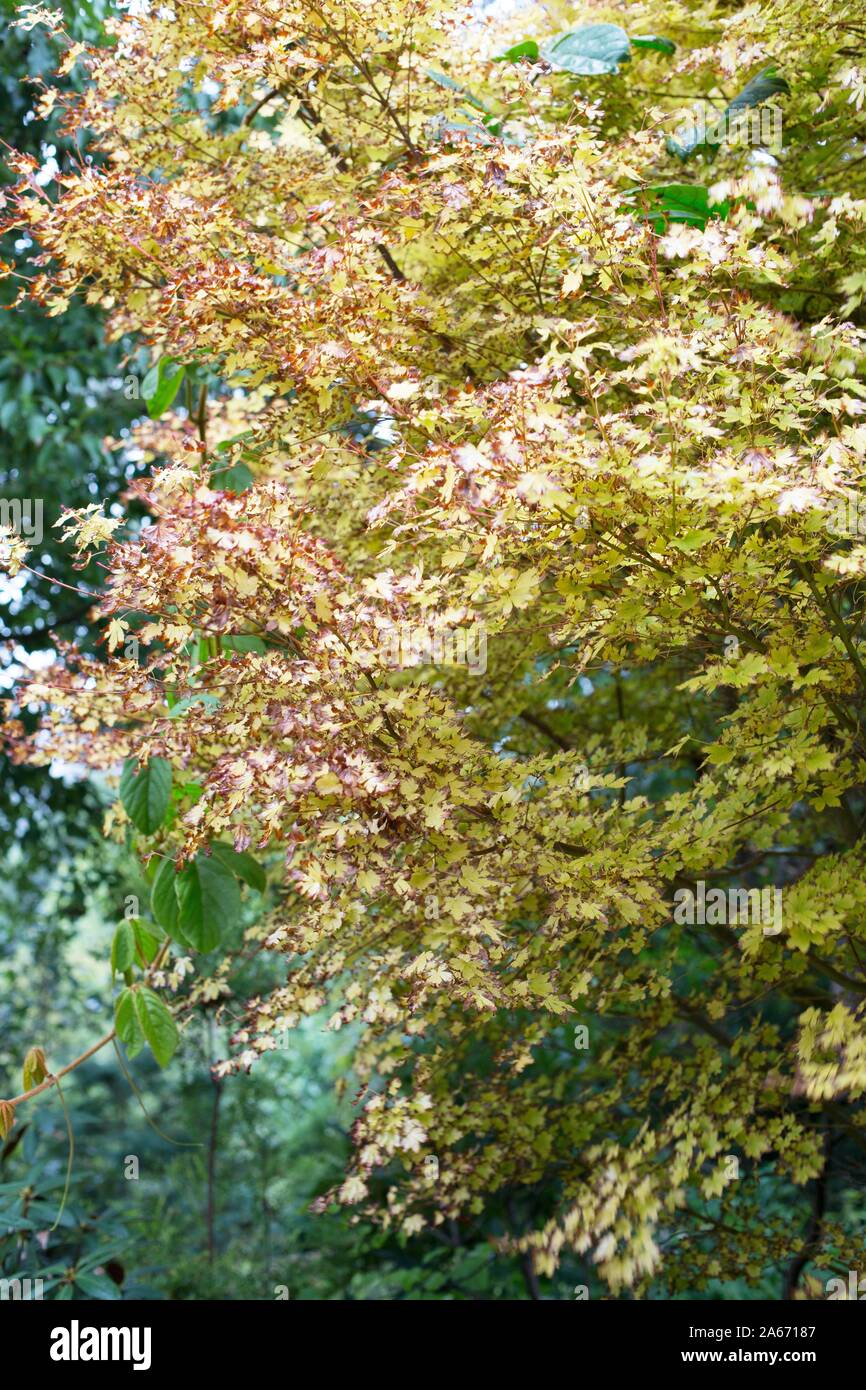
[
  {"x": 69, "y": 1160},
  {"x": 179, "y": 1143}
]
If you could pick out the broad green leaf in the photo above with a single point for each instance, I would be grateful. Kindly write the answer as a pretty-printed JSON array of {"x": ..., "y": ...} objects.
[
  {"x": 157, "y": 1024},
  {"x": 767, "y": 84},
  {"x": 676, "y": 202},
  {"x": 241, "y": 864},
  {"x": 443, "y": 80},
  {"x": 707, "y": 136},
  {"x": 472, "y": 132},
  {"x": 147, "y": 938},
  {"x": 693, "y": 140},
  {"x": 235, "y": 477},
  {"x": 209, "y": 903},
  {"x": 163, "y": 897},
  {"x": 161, "y": 385},
  {"x": 123, "y": 948},
  {"x": 589, "y": 51},
  {"x": 126, "y": 1023},
  {"x": 194, "y": 790},
  {"x": 243, "y": 642},
  {"x": 655, "y": 41},
  {"x": 226, "y": 444},
  {"x": 145, "y": 793},
  {"x": 189, "y": 701},
  {"x": 527, "y": 49},
  {"x": 684, "y": 202},
  {"x": 96, "y": 1285}
]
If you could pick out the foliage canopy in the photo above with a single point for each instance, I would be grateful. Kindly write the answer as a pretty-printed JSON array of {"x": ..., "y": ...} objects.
[{"x": 454, "y": 328}]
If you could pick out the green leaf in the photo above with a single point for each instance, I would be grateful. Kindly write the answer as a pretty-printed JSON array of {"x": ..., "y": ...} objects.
[
  {"x": 684, "y": 149},
  {"x": 707, "y": 138},
  {"x": 147, "y": 939},
  {"x": 145, "y": 794},
  {"x": 588, "y": 51},
  {"x": 35, "y": 1068},
  {"x": 761, "y": 88},
  {"x": 226, "y": 444},
  {"x": 186, "y": 704},
  {"x": 243, "y": 642},
  {"x": 527, "y": 49},
  {"x": 209, "y": 903},
  {"x": 96, "y": 1285},
  {"x": 126, "y": 1023},
  {"x": 194, "y": 790},
  {"x": 123, "y": 948},
  {"x": 693, "y": 540},
  {"x": 685, "y": 202},
  {"x": 161, "y": 385},
  {"x": 241, "y": 864},
  {"x": 163, "y": 897},
  {"x": 653, "y": 41},
  {"x": 157, "y": 1024},
  {"x": 443, "y": 80},
  {"x": 236, "y": 477},
  {"x": 677, "y": 202}
]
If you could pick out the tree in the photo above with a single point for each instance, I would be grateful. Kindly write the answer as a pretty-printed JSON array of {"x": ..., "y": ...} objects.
[{"x": 502, "y": 591}]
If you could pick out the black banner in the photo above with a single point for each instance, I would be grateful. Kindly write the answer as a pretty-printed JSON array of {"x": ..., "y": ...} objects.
[{"x": 65, "y": 1339}]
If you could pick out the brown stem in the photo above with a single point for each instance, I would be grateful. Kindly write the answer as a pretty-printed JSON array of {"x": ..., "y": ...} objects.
[
  {"x": 201, "y": 415},
  {"x": 815, "y": 1226},
  {"x": 536, "y": 722},
  {"x": 254, "y": 110},
  {"x": 530, "y": 1278},
  {"x": 527, "y": 1268},
  {"x": 313, "y": 122},
  {"x": 70, "y": 1066},
  {"x": 390, "y": 262}
]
